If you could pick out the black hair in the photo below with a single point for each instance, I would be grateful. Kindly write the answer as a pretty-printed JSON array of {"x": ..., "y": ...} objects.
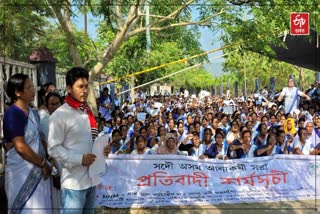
[
  {"x": 207, "y": 129},
  {"x": 190, "y": 125},
  {"x": 122, "y": 126},
  {"x": 241, "y": 128},
  {"x": 265, "y": 116},
  {"x": 252, "y": 113},
  {"x": 159, "y": 127},
  {"x": 246, "y": 124},
  {"x": 102, "y": 119},
  {"x": 41, "y": 96},
  {"x": 143, "y": 128},
  {"x": 189, "y": 115},
  {"x": 219, "y": 133},
  {"x": 287, "y": 115},
  {"x": 204, "y": 118},
  {"x": 279, "y": 132},
  {"x": 16, "y": 83},
  {"x": 109, "y": 122},
  {"x": 179, "y": 124},
  {"x": 219, "y": 130},
  {"x": 300, "y": 131},
  {"x": 234, "y": 122},
  {"x": 271, "y": 115},
  {"x": 271, "y": 138},
  {"x": 234, "y": 114},
  {"x": 46, "y": 86},
  {"x": 180, "y": 120},
  {"x": 195, "y": 133},
  {"x": 76, "y": 73},
  {"x": 245, "y": 131},
  {"x": 116, "y": 131},
  {"x": 136, "y": 120},
  {"x": 195, "y": 123},
  {"x": 139, "y": 136},
  {"x": 260, "y": 126},
  {"x": 53, "y": 94},
  {"x": 173, "y": 131},
  {"x": 278, "y": 112}
]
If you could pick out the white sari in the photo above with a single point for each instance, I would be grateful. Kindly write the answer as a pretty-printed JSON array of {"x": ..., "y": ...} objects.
[
  {"x": 26, "y": 189},
  {"x": 291, "y": 98}
]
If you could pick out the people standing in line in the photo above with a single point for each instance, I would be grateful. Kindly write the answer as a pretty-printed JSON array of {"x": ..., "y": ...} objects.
[
  {"x": 105, "y": 104},
  {"x": 116, "y": 101},
  {"x": 53, "y": 101},
  {"x": 43, "y": 110},
  {"x": 72, "y": 130},
  {"x": 27, "y": 171},
  {"x": 291, "y": 95}
]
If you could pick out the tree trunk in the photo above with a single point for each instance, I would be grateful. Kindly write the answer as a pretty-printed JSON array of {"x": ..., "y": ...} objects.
[
  {"x": 67, "y": 28},
  {"x": 302, "y": 79},
  {"x": 98, "y": 68}
]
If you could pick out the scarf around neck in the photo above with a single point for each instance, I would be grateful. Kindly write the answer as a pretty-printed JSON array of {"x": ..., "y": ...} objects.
[{"x": 84, "y": 108}]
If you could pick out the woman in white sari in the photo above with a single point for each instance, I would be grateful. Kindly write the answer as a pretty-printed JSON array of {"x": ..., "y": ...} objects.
[
  {"x": 27, "y": 171},
  {"x": 291, "y": 95}
]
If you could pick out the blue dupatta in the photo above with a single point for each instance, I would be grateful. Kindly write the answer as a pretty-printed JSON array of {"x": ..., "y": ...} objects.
[{"x": 296, "y": 97}]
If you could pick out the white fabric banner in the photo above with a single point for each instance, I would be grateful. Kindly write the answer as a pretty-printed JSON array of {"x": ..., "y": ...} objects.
[{"x": 170, "y": 180}]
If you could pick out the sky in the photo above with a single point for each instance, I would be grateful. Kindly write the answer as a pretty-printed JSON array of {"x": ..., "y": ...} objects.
[
  {"x": 214, "y": 67},
  {"x": 92, "y": 23}
]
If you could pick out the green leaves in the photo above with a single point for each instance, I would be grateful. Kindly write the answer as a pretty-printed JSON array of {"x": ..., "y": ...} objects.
[{"x": 21, "y": 26}]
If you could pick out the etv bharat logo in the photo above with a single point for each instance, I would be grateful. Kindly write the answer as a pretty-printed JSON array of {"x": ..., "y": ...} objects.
[{"x": 299, "y": 24}]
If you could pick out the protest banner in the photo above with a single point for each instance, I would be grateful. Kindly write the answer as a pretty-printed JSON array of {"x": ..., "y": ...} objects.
[{"x": 168, "y": 180}]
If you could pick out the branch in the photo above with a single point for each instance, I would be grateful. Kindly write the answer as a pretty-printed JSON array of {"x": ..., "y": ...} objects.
[
  {"x": 118, "y": 14},
  {"x": 156, "y": 16},
  {"x": 204, "y": 22},
  {"x": 89, "y": 60},
  {"x": 67, "y": 28},
  {"x": 133, "y": 17},
  {"x": 297, "y": 67},
  {"x": 121, "y": 36},
  {"x": 175, "y": 13},
  {"x": 179, "y": 25},
  {"x": 240, "y": 2}
]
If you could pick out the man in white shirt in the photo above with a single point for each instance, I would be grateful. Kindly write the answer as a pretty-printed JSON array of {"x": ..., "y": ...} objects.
[{"x": 72, "y": 129}]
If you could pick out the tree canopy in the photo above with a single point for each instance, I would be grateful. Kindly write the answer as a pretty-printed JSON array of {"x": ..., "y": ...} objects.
[{"x": 175, "y": 26}]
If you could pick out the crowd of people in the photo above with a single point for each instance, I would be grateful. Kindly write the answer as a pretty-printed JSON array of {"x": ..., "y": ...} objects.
[
  {"x": 57, "y": 138},
  {"x": 206, "y": 128}
]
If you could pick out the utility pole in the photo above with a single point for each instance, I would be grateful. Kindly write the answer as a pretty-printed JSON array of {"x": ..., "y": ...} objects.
[
  {"x": 85, "y": 23},
  {"x": 245, "y": 74},
  {"x": 132, "y": 94}
]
